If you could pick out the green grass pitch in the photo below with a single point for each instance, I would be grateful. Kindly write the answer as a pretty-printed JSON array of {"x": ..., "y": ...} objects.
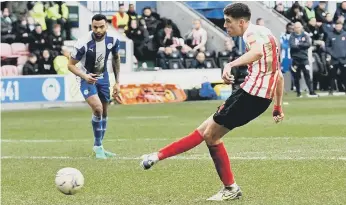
[{"x": 300, "y": 161}]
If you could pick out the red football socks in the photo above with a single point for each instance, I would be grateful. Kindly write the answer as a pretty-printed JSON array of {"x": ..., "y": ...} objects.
[
  {"x": 222, "y": 163},
  {"x": 182, "y": 145}
]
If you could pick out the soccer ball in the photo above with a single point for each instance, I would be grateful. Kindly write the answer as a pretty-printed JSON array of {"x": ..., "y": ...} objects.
[{"x": 69, "y": 180}]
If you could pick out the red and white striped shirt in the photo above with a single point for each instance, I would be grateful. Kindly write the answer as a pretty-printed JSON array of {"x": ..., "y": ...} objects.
[{"x": 263, "y": 74}]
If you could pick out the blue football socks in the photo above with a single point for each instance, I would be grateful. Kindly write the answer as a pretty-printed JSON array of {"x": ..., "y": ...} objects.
[{"x": 97, "y": 128}]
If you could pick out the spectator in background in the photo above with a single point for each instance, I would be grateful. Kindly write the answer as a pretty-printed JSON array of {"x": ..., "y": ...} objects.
[
  {"x": 335, "y": 47},
  {"x": 31, "y": 67},
  {"x": 64, "y": 21},
  {"x": 328, "y": 26},
  {"x": 39, "y": 15},
  {"x": 300, "y": 43},
  {"x": 61, "y": 61},
  {"x": 149, "y": 21},
  {"x": 56, "y": 40},
  {"x": 165, "y": 37},
  {"x": 315, "y": 32},
  {"x": 132, "y": 12},
  {"x": 308, "y": 12},
  {"x": 260, "y": 22},
  {"x": 45, "y": 64},
  {"x": 318, "y": 48},
  {"x": 163, "y": 55},
  {"x": 17, "y": 8},
  {"x": 7, "y": 32},
  {"x": 22, "y": 31},
  {"x": 340, "y": 12},
  {"x": 286, "y": 60},
  {"x": 140, "y": 38},
  {"x": 197, "y": 38},
  {"x": 295, "y": 13},
  {"x": 320, "y": 12},
  {"x": 31, "y": 24},
  {"x": 52, "y": 16},
  {"x": 121, "y": 19},
  {"x": 199, "y": 63},
  {"x": 37, "y": 41},
  {"x": 280, "y": 8}
]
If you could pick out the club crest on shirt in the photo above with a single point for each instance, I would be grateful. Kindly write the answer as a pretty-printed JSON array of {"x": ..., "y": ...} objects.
[
  {"x": 109, "y": 46},
  {"x": 343, "y": 38}
]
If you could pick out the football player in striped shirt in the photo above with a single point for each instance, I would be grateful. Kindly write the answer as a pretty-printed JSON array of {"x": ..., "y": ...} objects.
[
  {"x": 263, "y": 84},
  {"x": 92, "y": 52}
]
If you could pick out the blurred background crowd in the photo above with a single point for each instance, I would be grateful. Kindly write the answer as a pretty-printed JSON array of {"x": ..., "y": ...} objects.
[{"x": 33, "y": 36}]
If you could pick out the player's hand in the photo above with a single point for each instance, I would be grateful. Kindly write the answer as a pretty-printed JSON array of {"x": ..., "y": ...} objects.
[
  {"x": 227, "y": 77},
  {"x": 90, "y": 78},
  {"x": 278, "y": 114},
  {"x": 116, "y": 90}
]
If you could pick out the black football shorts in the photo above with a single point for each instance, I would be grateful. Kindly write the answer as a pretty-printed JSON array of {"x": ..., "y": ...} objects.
[{"x": 239, "y": 109}]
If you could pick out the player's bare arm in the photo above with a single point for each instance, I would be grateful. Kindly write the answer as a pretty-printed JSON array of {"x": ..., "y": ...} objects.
[
  {"x": 90, "y": 78},
  {"x": 278, "y": 114},
  {"x": 116, "y": 70},
  {"x": 254, "y": 54}
]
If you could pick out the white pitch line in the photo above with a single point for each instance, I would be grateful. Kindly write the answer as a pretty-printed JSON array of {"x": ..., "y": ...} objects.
[
  {"x": 169, "y": 139},
  {"x": 263, "y": 158},
  {"x": 147, "y": 117}
]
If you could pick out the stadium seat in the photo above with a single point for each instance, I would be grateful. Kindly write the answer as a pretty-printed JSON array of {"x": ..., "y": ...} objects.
[
  {"x": 20, "y": 69},
  {"x": 190, "y": 55},
  {"x": 9, "y": 70},
  {"x": 209, "y": 54},
  {"x": 6, "y": 50},
  {"x": 19, "y": 49},
  {"x": 21, "y": 60},
  {"x": 210, "y": 63},
  {"x": 188, "y": 62},
  {"x": 175, "y": 64},
  {"x": 224, "y": 54},
  {"x": 222, "y": 61},
  {"x": 210, "y": 59}
]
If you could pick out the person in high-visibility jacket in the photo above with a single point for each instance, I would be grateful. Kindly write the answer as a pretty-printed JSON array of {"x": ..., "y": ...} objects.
[
  {"x": 61, "y": 61},
  {"x": 39, "y": 15},
  {"x": 58, "y": 13},
  {"x": 121, "y": 18}
]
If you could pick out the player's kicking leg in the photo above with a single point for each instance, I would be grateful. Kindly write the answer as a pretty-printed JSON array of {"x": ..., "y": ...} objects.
[
  {"x": 211, "y": 134},
  {"x": 237, "y": 111}
]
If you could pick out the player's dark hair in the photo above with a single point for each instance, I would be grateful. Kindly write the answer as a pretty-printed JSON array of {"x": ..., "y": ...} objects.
[
  {"x": 288, "y": 24},
  {"x": 238, "y": 11},
  {"x": 99, "y": 17}
]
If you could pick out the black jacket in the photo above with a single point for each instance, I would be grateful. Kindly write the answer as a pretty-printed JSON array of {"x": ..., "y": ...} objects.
[
  {"x": 300, "y": 45},
  {"x": 320, "y": 14},
  {"x": 139, "y": 36},
  {"x": 198, "y": 65},
  {"x": 30, "y": 69},
  {"x": 55, "y": 42},
  {"x": 46, "y": 66},
  {"x": 327, "y": 29},
  {"x": 37, "y": 42},
  {"x": 335, "y": 46},
  {"x": 20, "y": 31}
]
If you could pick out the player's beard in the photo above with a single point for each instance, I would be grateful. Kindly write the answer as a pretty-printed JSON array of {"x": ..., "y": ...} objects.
[{"x": 99, "y": 37}]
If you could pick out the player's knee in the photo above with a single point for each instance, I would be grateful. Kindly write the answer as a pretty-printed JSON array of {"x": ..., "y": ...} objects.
[
  {"x": 210, "y": 137},
  {"x": 98, "y": 111}
]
